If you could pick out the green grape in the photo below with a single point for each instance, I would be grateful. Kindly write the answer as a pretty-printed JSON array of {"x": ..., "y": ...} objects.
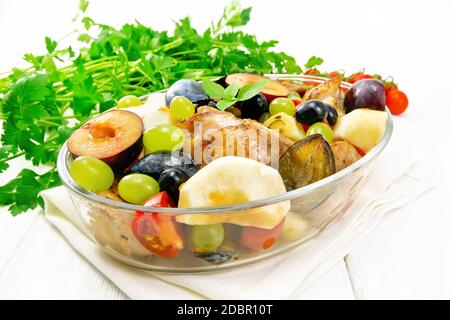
[
  {"x": 264, "y": 117},
  {"x": 207, "y": 238},
  {"x": 136, "y": 188},
  {"x": 294, "y": 95},
  {"x": 282, "y": 105},
  {"x": 323, "y": 129},
  {"x": 164, "y": 137},
  {"x": 92, "y": 173},
  {"x": 129, "y": 101},
  {"x": 181, "y": 108}
]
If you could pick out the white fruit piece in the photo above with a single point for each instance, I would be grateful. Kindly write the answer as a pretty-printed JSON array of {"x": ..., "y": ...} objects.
[
  {"x": 230, "y": 181},
  {"x": 156, "y": 117},
  {"x": 153, "y": 103},
  {"x": 363, "y": 128}
]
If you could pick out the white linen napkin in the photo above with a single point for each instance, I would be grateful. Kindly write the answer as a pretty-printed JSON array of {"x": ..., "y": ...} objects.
[{"x": 284, "y": 276}]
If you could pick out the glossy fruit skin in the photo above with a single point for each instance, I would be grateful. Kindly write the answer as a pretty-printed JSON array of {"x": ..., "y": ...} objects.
[
  {"x": 332, "y": 115},
  {"x": 164, "y": 137},
  {"x": 159, "y": 233},
  {"x": 170, "y": 181},
  {"x": 397, "y": 101},
  {"x": 181, "y": 108},
  {"x": 321, "y": 128},
  {"x": 154, "y": 164},
  {"x": 253, "y": 108},
  {"x": 91, "y": 173},
  {"x": 258, "y": 238},
  {"x": 207, "y": 238},
  {"x": 128, "y": 101},
  {"x": 285, "y": 105},
  {"x": 311, "y": 111},
  {"x": 367, "y": 93},
  {"x": 136, "y": 188},
  {"x": 190, "y": 89}
]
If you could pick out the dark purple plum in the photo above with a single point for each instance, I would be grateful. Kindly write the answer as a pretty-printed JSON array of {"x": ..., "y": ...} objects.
[
  {"x": 311, "y": 111},
  {"x": 367, "y": 93},
  {"x": 190, "y": 89},
  {"x": 253, "y": 108},
  {"x": 332, "y": 115},
  {"x": 170, "y": 181},
  {"x": 155, "y": 164}
]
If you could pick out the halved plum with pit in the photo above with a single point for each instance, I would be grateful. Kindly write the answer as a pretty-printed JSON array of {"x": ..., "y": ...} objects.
[
  {"x": 274, "y": 89},
  {"x": 114, "y": 137}
]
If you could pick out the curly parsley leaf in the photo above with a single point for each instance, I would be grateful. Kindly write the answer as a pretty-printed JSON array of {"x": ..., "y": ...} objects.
[{"x": 313, "y": 62}]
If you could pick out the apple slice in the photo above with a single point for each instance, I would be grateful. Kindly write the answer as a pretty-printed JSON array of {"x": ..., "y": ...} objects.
[
  {"x": 114, "y": 137},
  {"x": 274, "y": 89}
]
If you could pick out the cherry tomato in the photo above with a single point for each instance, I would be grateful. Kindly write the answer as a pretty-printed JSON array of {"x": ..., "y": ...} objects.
[
  {"x": 312, "y": 72},
  {"x": 334, "y": 74},
  {"x": 159, "y": 233},
  {"x": 258, "y": 238},
  {"x": 397, "y": 101},
  {"x": 359, "y": 76},
  {"x": 390, "y": 86}
]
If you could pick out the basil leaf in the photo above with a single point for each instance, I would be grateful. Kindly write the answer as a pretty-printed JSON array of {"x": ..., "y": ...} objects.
[
  {"x": 231, "y": 91},
  {"x": 213, "y": 89},
  {"x": 225, "y": 104},
  {"x": 250, "y": 90}
]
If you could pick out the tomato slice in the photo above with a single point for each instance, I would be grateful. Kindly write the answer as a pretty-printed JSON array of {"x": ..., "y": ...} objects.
[
  {"x": 361, "y": 153},
  {"x": 296, "y": 101},
  {"x": 159, "y": 233},
  {"x": 258, "y": 238}
]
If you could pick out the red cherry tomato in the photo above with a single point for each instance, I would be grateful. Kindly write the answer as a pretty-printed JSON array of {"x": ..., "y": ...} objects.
[
  {"x": 312, "y": 72},
  {"x": 359, "y": 76},
  {"x": 396, "y": 100},
  {"x": 334, "y": 74},
  {"x": 159, "y": 233},
  {"x": 258, "y": 238}
]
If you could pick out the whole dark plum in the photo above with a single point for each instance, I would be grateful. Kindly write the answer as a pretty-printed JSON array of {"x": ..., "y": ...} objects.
[
  {"x": 170, "y": 181},
  {"x": 190, "y": 89},
  {"x": 332, "y": 115},
  {"x": 254, "y": 107},
  {"x": 311, "y": 111},
  {"x": 155, "y": 163},
  {"x": 367, "y": 93}
]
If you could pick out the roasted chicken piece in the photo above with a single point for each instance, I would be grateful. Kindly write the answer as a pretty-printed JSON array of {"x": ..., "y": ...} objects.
[
  {"x": 328, "y": 92},
  {"x": 222, "y": 134}
]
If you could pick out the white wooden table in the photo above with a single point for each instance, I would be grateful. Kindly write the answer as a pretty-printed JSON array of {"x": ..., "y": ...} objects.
[{"x": 408, "y": 256}]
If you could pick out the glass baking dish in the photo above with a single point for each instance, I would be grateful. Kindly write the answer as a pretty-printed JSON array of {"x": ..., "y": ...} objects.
[{"x": 312, "y": 208}]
